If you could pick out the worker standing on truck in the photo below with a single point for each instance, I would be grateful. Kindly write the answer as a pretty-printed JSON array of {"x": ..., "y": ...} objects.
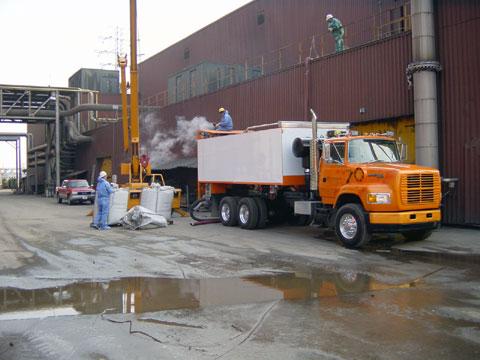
[
  {"x": 104, "y": 189},
  {"x": 336, "y": 28},
  {"x": 226, "y": 122}
]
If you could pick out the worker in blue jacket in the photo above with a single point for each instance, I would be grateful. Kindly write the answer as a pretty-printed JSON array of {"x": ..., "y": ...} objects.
[
  {"x": 104, "y": 189},
  {"x": 226, "y": 122},
  {"x": 336, "y": 28}
]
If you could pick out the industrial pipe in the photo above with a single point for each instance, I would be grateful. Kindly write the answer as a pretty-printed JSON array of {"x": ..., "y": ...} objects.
[
  {"x": 84, "y": 107},
  {"x": 424, "y": 68},
  {"x": 57, "y": 139},
  {"x": 313, "y": 155}
]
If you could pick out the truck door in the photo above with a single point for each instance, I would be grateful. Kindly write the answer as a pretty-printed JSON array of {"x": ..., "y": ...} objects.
[{"x": 333, "y": 172}]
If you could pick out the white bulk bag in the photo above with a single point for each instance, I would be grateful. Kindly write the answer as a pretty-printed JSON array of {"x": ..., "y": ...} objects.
[
  {"x": 164, "y": 201},
  {"x": 158, "y": 199},
  {"x": 148, "y": 199},
  {"x": 118, "y": 206}
]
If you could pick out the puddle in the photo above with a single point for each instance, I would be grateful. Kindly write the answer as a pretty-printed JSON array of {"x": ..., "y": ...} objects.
[{"x": 147, "y": 294}]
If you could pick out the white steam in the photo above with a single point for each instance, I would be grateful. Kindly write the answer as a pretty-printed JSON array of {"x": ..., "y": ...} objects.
[{"x": 168, "y": 145}]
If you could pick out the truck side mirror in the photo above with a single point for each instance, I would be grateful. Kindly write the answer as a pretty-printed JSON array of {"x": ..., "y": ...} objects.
[{"x": 402, "y": 149}]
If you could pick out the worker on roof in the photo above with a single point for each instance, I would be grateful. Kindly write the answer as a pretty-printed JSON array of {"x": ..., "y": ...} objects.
[
  {"x": 104, "y": 189},
  {"x": 336, "y": 28},
  {"x": 226, "y": 122}
]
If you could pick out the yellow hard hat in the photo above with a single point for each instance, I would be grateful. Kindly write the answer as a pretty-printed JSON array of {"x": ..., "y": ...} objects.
[{"x": 221, "y": 110}]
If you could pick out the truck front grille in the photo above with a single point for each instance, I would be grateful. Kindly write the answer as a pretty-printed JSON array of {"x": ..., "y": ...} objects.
[{"x": 420, "y": 188}]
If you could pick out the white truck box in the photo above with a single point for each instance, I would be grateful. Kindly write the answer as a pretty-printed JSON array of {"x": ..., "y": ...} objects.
[{"x": 257, "y": 157}]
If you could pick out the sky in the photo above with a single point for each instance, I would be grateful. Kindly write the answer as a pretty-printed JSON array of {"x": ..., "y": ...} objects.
[{"x": 46, "y": 42}]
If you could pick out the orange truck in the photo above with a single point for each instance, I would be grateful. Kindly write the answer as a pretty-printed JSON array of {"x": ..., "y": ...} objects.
[{"x": 321, "y": 173}]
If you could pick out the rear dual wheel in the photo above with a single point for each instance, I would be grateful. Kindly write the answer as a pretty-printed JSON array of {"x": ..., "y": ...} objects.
[
  {"x": 229, "y": 211},
  {"x": 248, "y": 212}
]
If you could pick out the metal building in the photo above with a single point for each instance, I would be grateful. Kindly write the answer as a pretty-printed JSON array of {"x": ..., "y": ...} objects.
[
  {"x": 366, "y": 84},
  {"x": 104, "y": 81}
]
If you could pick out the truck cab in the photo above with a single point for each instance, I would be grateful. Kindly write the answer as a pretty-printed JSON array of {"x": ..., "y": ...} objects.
[{"x": 369, "y": 190}]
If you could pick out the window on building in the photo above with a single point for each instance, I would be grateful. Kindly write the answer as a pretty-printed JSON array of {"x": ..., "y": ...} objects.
[
  {"x": 186, "y": 54},
  {"x": 260, "y": 18}
]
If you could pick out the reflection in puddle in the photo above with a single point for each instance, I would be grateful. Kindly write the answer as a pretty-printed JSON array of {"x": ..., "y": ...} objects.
[{"x": 144, "y": 294}]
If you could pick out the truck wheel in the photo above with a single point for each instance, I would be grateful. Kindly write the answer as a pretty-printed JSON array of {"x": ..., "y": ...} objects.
[
  {"x": 262, "y": 212},
  {"x": 228, "y": 211},
  {"x": 351, "y": 227},
  {"x": 247, "y": 213},
  {"x": 417, "y": 235}
]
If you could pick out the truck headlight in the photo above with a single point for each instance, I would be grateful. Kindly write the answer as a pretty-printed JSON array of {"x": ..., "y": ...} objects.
[
  {"x": 379, "y": 198},
  {"x": 74, "y": 193}
]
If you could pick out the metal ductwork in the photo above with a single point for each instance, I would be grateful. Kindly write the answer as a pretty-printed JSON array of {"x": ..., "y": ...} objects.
[
  {"x": 73, "y": 134},
  {"x": 424, "y": 70}
]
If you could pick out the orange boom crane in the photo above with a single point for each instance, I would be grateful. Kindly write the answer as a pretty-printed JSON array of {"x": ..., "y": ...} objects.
[{"x": 139, "y": 169}]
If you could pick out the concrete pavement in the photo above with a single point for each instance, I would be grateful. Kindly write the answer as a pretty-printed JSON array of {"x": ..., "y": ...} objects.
[{"x": 458, "y": 244}]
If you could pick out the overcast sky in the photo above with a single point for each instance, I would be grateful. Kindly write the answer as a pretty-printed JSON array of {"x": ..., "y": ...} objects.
[{"x": 45, "y": 42}]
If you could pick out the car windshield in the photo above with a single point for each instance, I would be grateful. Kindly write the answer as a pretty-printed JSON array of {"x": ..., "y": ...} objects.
[
  {"x": 78, "y": 183},
  {"x": 372, "y": 150}
]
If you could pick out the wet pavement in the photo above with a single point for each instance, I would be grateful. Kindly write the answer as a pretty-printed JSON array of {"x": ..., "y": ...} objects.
[
  {"x": 210, "y": 292},
  {"x": 143, "y": 294}
]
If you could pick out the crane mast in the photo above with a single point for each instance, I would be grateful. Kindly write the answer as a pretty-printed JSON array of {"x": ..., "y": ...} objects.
[{"x": 138, "y": 168}]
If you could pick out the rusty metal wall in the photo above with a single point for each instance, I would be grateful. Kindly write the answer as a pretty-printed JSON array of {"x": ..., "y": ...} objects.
[
  {"x": 458, "y": 26},
  {"x": 288, "y": 24},
  {"x": 372, "y": 77},
  {"x": 268, "y": 99},
  {"x": 365, "y": 83},
  {"x": 107, "y": 143}
]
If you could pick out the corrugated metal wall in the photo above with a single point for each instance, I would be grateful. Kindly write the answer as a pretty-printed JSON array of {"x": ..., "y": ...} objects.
[
  {"x": 458, "y": 26},
  {"x": 372, "y": 77},
  {"x": 238, "y": 38},
  {"x": 107, "y": 143}
]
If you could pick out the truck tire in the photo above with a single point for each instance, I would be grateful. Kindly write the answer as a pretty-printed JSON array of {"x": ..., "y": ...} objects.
[
  {"x": 247, "y": 213},
  {"x": 416, "y": 235},
  {"x": 351, "y": 226},
  {"x": 262, "y": 213},
  {"x": 229, "y": 211}
]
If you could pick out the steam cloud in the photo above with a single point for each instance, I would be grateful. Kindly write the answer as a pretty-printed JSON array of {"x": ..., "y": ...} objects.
[{"x": 169, "y": 145}]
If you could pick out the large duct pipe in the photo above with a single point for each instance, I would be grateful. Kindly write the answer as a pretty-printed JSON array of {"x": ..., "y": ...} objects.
[
  {"x": 313, "y": 155},
  {"x": 74, "y": 135},
  {"x": 84, "y": 107},
  {"x": 424, "y": 68}
]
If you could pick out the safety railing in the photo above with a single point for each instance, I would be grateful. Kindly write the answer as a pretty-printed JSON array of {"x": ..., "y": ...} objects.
[{"x": 384, "y": 24}]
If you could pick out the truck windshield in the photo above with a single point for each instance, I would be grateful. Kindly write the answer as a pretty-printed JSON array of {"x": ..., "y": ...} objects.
[
  {"x": 78, "y": 183},
  {"x": 372, "y": 150}
]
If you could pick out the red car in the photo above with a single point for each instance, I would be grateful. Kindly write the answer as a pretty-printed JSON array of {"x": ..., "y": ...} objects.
[{"x": 75, "y": 190}]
